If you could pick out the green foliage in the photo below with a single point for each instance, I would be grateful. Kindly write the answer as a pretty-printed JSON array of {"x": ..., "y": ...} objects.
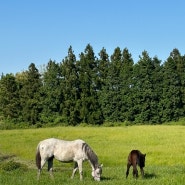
[
  {"x": 9, "y": 97},
  {"x": 51, "y": 93},
  {"x": 13, "y": 165},
  {"x": 71, "y": 89},
  {"x": 89, "y": 108},
  {"x": 95, "y": 90},
  {"x": 29, "y": 94}
]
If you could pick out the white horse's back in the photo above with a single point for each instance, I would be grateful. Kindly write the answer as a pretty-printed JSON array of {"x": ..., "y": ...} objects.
[{"x": 62, "y": 150}]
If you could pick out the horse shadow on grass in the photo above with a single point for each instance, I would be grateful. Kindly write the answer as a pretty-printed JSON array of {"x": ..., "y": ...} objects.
[
  {"x": 150, "y": 176},
  {"x": 106, "y": 178}
]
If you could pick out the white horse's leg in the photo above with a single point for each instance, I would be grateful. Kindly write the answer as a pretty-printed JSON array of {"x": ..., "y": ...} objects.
[
  {"x": 43, "y": 161},
  {"x": 38, "y": 174},
  {"x": 50, "y": 166},
  {"x": 80, "y": 168},
  {"x": 74, "y": 170}
]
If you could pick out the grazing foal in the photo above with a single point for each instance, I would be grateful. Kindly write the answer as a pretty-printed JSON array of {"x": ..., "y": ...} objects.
[{"x": 135, "y": 158}]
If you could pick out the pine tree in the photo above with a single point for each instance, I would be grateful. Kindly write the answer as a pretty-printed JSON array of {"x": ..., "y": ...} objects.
[
  {"x": 126, "y": 75},
  {"x": 9, "y": 98},
  {"x": 30, "y": 95},
  {"x": 103, "y": 72},
  {"x": 70, "y": 89},
  {"x": 145, "y": 95},
  {"x": 88, "y": 105},
  {"x": 112, "y": 102},
  {"x": 181, "y": 72},
  {"x": 171, "y": 100},
  {"x": 103, "y": 65},
  {"x": 51, "y": 92}
]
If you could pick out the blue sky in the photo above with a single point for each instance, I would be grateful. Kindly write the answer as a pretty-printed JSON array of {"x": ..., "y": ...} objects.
[{"x": 35, "y": 31}]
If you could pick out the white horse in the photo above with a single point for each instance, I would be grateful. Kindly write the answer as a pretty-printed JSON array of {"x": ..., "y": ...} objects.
[{"x": 67, "y": 151}]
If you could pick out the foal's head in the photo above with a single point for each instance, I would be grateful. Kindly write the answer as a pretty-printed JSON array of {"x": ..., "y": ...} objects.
[
  {"x": 96, "y": 173},
  {"x": 142, "y": 160}
]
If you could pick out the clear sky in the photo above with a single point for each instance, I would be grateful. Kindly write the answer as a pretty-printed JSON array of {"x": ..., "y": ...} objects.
[{"x": 39, "y": 30}]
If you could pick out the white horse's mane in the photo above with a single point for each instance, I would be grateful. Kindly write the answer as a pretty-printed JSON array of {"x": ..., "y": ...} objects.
[{"x": 91, "y": 155}]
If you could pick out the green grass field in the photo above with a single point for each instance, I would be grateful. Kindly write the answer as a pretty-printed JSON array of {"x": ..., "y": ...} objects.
[{"x": 164, "y": 147}]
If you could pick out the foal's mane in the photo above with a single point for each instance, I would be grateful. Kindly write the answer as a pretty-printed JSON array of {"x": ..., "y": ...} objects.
[{"x": 90, "y": 154}]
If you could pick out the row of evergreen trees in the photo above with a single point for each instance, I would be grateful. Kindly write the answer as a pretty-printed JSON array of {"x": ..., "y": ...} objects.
[{"x": 95, "y": 90}]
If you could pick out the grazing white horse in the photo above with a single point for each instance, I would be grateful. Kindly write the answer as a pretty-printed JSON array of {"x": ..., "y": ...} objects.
[{"x": 67, "y": 151}]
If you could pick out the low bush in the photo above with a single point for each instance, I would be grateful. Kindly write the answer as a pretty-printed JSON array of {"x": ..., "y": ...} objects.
[{"x": 13, "y": 165}]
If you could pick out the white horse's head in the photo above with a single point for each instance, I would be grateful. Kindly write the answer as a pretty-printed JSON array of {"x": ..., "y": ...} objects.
[{"x": 96, "y": 173}]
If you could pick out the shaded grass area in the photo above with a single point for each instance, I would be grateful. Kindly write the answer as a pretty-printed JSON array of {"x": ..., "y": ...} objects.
[
  {"x": 164, "y": 146},
  {"x": 5, "y": 157}
]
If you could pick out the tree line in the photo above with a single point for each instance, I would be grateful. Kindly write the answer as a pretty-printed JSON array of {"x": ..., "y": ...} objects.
[{"x": 95, "y": 90}]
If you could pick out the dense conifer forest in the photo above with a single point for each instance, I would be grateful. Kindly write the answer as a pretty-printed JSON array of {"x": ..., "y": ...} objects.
[{"x": 96, "y": 89}]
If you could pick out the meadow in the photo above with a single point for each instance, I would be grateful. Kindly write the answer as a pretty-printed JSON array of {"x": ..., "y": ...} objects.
[{"x": 164, "y": 147}]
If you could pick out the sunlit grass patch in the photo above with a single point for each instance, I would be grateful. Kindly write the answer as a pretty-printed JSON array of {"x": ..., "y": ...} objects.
[{"x": 164, "y": 147}]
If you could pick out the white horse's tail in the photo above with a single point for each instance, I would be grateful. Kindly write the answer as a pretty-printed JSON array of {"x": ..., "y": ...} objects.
[{"x": 38, "y": 158}]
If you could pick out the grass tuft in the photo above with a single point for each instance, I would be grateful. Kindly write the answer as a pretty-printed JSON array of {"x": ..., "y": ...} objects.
[{"x": 13, "y": 165}]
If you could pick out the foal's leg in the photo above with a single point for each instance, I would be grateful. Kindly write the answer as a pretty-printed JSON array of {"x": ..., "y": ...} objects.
[
  {"x": 142, "y": 172},
  {"x": 128, "y": 168},
  {"x": 135, "y": 172},
  {"x": 50, "y": 166},
  {"x": 74, "y": 170}
]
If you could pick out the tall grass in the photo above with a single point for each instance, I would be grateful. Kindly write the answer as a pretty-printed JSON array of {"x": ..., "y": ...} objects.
[{"x": 164, "y": 147}]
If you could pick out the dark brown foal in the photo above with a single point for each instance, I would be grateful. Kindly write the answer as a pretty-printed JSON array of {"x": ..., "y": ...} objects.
[{"x": 135, "y": 158}]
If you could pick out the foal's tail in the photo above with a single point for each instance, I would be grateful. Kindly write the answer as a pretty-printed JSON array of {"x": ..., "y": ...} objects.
[{"x": 38, "y": 158}]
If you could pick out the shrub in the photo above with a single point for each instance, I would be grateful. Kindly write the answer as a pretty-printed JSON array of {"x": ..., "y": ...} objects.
[{"x": 12, "y": 165}]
